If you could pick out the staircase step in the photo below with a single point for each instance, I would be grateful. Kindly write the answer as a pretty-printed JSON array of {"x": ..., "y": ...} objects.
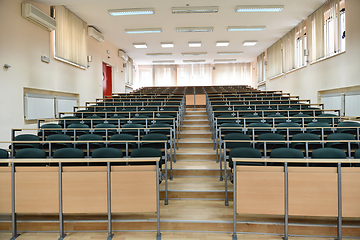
[
  {"x": 196, "y": 127},
  {"x": 191, "y": 117},
  {"x": 191, "y": 183},
  {"x": 195, "y": 134},
  {"x": 196, "y": 153},
  {"x": 195, "y": 113},
  {"x": 196, "y": 143},
  {"x": 196, "y": 122}
]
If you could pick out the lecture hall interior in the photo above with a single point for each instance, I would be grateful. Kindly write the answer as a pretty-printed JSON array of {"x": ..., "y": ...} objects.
[{"x": 202, "y": 119}]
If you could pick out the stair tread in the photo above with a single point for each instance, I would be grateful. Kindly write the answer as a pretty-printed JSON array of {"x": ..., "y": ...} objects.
[
  {"x": 197, "y": 151},
  {"x": 195, "y": 140},
  {"x": 195, "y": 165},
  {"x": 198, "y": 183}
]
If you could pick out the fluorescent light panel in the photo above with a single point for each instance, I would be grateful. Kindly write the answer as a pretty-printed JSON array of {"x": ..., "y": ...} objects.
[
  {"x": 222, "y": 44},
  {"x": 259, "y": 8},
  {"x": 194, "y": 54},
  {"x": 194, "y": 29},
  {"x": 140, "y": 45},
  {"x": 193, "y": 61},
  {"x": 167, "y": 45},
  {"x": 131, "y": 11},
  {"x": 249, "y": 43},
  {"x": 224, "y": 60},
  {"x": 213, "y": 9},
  {"x": 229, "y": 53},
  {"x": 165, "y": 61},
  {"x": 158, "y": 54},
  {"x": 144, "y": 30},
  {"x": 252, "y": 28},
  {"x": 194, "y": 44}
]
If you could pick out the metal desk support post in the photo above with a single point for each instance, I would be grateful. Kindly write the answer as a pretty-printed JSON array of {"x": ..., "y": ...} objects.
[
  {"x": 13, "y": 214},
  {"x": 339, "y": 224},
  {"x": 166, "y": 178},
  {"x": 61, "y": 219},
  {"x": 110, "y": 234},
  {"x": 158, "y": 234},
  {"x": 225, "y": 175},
  {"x": 286, "y": 217},
  {"x": 234, "y": 236}
]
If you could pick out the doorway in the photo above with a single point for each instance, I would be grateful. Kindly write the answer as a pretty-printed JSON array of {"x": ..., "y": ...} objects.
[{"x": 107, "y": 80}]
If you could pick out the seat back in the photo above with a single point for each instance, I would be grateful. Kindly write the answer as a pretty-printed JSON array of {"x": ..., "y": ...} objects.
[
  {"x": 236, "y": 126},
  {"x": 26, "y": 137},
  {"x": 328, "y": 153},
  {"x": 107, "y": 153},
  {"x": 68, "y": 153},
  {"x": 244, "y": 153},
  {"x": 237, "y": 136},
  {"x": 30, "y": 153},
  {"x": 286, "y": 153},
  {"x": 4, "y": 153}
]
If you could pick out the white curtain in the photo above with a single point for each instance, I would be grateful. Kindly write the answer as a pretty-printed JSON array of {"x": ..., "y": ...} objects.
[
  {"x": 194, "y": 75},
  {"x": 70, "y": 37},
  {"x": 232, "y": 74},
  {"x": 261, "y": 68},
  {"x": 288, "y": 42},
  {"x": 165, "y": 75},
  {"x": 274, "y": 59}
]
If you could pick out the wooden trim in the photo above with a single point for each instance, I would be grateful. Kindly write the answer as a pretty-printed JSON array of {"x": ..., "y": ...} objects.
[
  {"x": 350, "y": 192},
  {"x": 5, "y": 190}
]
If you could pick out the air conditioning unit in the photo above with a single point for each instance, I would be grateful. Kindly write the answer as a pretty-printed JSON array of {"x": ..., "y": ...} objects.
[
  {"x": 36, "y": 16},
  {"x": 93, "y": 32},
  {"x": 123, "y": 55}
]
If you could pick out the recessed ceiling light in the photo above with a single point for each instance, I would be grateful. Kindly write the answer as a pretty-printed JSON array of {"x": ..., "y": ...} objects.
[
  {"x": 249, "y": 43},
  {"x": 144, "y": 30},
  {"x": 165, "y": 61},
  {"x": 193, "y": 61},
  {"x": 131, "y": 11},
  {"x": 224, "y": 60},
  {"x": 214, "y": 9},
  {"x": 194, "y": 29},
  {"x": 222, "y": 44},
  {"x": 259, "y": 8},
  {"x": 253, "y": 28},
  {"x": 194, "y": 44},
  {"x": 167, "y": 45},
  {"x": 229, "y": 53},
  {"x": 194, "y": 54},
  {"x": 158, "y": 54},
  {"x": 140, "y": 45}
]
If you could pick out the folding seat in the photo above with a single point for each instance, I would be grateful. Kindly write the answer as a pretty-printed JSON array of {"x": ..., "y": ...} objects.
[
  {"x": 341, "y": 136},
  {"x": 91, "y": 121},
  {"x": 146, "y": 152},
  {"x": 327, "y": 153},
  {"x": 24, "y": 138},
  {"x": 133, "y": 128},
  {"x": 160, "y": 125},
  {"x": 57, "y": 137},
  {"x": 3, "y": 153},
  {"x": 30, "y": 153},
  {"x": 67, "y": 120},
  {"x": 270, "y": 137},
  {"x": 348, "y": 130},
  {"x": 51, "y": 126},
  {"x": 68, "y": 153},
  {"x": 107, "y": 153},
  {"x": 84, "y": 113},
  {"x": 147, "y": 119},
  {"x": 357, "y": 156},
  {"x": 299, "y": 118},
  {"x": 111, "y": 129},
  {"x": 244, "y": 153},
  {"x": 230, "y": 118},
  {"x": 282, "y": 128},
  {"x": 329, "y": 118},
  {"x": 306, "y": 137},
  {"x": 275, "y": 118},
  {"x": 92, "y": 145},
  {"x": 250, "y": 119},
  {"x": 237, "y": 136},
  {"x": 169, "y": 121},
  {"x": 71, "y": 129},
  {"x": 311, "y": 128},
  {"x": 286, "y": 153},
  {"x": 122, "y": 137},
  {"x": 259, "y": 128},
  {"x": 115, "y": 119},
  {"x": 230, "y": 128},
  {"x": 154, "y": 137}
]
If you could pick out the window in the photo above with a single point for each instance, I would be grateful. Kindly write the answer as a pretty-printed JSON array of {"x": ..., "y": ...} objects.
[
  {"x": 299, "y": 52},
  {"x": 146, "y": 78},
  {"x": 342, "y": 30}
]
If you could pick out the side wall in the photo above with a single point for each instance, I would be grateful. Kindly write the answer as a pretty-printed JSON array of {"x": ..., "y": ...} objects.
[
  {"x": 22, "y": 44},
  {"x": 337, "y": 72}
]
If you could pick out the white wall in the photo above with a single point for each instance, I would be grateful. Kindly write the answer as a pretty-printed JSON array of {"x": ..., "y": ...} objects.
[
  {"x": 337, "y": 72},
  {"x": 22, "y": 44}
]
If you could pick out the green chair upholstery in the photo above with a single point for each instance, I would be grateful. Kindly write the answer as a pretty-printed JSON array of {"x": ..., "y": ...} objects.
[
  {"x": 251, "y": 119},
  {"x": 237, "y": 136},
  {"x": 107, "y": 153},
  {"x": 30, "y": 153},
  {"x": 68, "y": 153},
  {"x": 231, "y": 119},
  {"x": 50, "y": 126},
  {"x": 266, "y": 128},
  {"x": 68, "y": 120},
  {"x": 160, "y": 125},
  {"x": 319, "y": 125},
  {"x": 282, "y": 128},
  {"x": 299, "y": 117},
  {"x": 357, "y": 156},
  {"x": 102, "y": 132},
  {"x": 305, "y": 137},
  {"x": 24, "y": 138},
  {"x": 95, "y": 120},
  {"x": 122, "y": 137},
  {"x": 73, "y": 126},
  {"x": 236, "y": 128},
  {"x": 340, "y": 136},
  {"x": 277, "y": 117},
  {"x": 146, "y": 152},
  {"x": 57, "y": 137},
  {"x": 286, "y": 153},
  {"x": 4, "y": 153},
  {"x": 154, "y": 137},
  {"x": 90, "y": 137},
  {"x": 244, "y": 153},
  {"x": 348, "y": 130},
  {"x": 134, "y": 131},
  {"x": 115, "y": 119},
  {"x": 271, "y": 137},
  {"x": 328, "y": 118},
  {"x": 328, "y": 153}
]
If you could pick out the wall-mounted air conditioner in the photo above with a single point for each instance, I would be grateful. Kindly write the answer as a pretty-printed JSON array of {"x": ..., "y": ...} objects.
[
  {"x": 36, "y": 16},
  {"x": 93, "y": 32},
  {"x": 123, "y": 55}
]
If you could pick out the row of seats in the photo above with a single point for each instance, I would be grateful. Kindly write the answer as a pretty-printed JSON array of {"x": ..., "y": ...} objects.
[{"x": 321, "y": 153}]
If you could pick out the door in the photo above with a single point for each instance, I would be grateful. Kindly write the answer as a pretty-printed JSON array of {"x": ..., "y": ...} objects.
[{"x": 107, "y": 79}]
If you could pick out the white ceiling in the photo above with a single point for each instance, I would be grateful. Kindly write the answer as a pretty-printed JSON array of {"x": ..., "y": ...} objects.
[{"x": 95, "y": 13}]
